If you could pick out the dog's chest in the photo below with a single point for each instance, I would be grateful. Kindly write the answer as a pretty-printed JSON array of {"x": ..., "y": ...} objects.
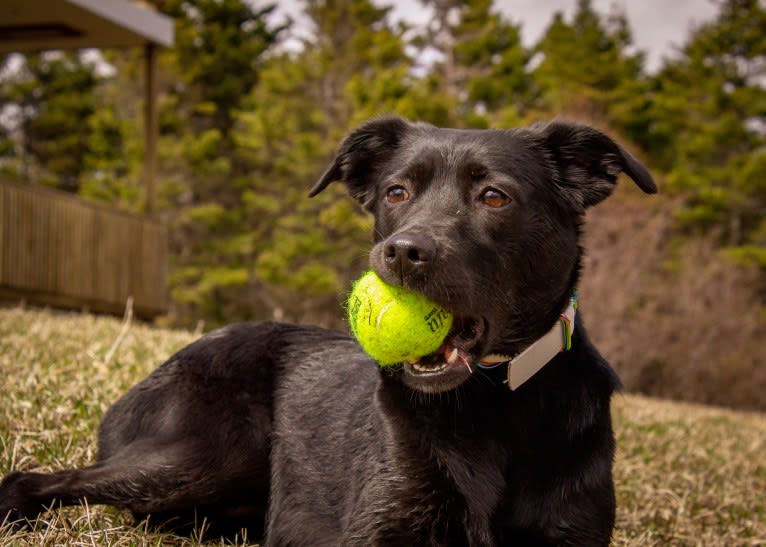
[
  {"x": 433, "y": 493},
  {"x": 418, "y": 507}
]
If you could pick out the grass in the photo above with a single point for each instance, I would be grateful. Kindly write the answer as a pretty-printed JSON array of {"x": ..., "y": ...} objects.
[{"x": 685, "y": 474}]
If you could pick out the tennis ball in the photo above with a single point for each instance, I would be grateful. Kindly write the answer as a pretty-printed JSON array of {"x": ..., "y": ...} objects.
[{"x": 393, "y": 324}]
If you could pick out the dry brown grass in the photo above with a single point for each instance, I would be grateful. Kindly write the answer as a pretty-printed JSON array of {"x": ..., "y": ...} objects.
[
  {"x": 689, "y": 474},
  {"x": 686, "y": 474}
]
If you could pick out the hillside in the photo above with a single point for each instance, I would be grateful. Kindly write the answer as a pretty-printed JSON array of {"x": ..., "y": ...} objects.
[
  {"x": 671, "y": 312},
  {"x": 685, "y": 474}
]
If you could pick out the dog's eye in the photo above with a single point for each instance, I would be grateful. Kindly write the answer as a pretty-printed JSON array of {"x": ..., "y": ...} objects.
[
  {"x": 494, "y": 198},
  {"x": 397, "y": 194}
]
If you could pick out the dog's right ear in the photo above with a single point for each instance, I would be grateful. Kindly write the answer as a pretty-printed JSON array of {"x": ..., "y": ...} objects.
[{"x": 361, "y": 154}]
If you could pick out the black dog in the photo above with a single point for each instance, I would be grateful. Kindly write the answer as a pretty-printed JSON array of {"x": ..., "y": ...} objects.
[{"x": 295, "y": 430}]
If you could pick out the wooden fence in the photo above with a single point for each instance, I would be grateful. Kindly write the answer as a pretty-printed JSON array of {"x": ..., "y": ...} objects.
[{"x": 58, "y": 250}]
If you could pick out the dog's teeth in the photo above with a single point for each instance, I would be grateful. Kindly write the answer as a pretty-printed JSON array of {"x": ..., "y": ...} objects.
[
  {"x": 452, "y": 357},
  {"x": 418, "y": 366}
]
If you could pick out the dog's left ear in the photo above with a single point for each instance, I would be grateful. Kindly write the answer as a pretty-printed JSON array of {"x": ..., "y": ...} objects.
[
  {"x": 361, "y": 155},
  {"x": 589, "y": 161}
]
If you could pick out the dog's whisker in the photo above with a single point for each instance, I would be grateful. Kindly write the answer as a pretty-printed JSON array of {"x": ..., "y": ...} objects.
[{"x": 466, "y": 363}]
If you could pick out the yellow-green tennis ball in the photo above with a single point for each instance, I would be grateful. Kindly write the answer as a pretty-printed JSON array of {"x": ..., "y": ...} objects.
[{"x": 393, "y": 324}]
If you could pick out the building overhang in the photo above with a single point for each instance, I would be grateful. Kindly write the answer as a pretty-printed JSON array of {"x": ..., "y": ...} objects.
[{"x": 36, "y": 25}]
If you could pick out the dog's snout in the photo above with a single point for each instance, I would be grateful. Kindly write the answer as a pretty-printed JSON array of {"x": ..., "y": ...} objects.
[{"x": 409, "y": 253}]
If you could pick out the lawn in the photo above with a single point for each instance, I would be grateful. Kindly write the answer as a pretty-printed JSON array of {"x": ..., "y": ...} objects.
[{"x": 685, "y": 474}]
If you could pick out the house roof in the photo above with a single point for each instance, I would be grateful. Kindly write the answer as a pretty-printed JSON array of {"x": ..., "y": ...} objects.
[{"x": 33, "y": 25}]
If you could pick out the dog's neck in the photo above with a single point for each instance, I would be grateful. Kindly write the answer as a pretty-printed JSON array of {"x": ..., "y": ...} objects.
[{"x": 531, "y": 360}]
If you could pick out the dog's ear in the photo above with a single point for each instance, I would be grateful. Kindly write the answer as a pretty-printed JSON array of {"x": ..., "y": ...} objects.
[
  {"x": 588, "y": 162},
  {"x": 361, "y": 154}
]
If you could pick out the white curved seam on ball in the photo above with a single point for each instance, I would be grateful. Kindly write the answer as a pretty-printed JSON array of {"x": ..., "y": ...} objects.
[{"x": 382, "y": 312}]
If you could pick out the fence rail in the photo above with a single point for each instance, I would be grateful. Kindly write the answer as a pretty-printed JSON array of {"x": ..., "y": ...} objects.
[{"x": 59, "y": 250}]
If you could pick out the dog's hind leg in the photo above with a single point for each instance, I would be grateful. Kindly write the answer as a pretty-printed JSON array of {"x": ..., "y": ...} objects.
[
  {"x": 191, "y": 439},
  {"x": 128, "y": 479},
  {"x": 172, "y": 481}
]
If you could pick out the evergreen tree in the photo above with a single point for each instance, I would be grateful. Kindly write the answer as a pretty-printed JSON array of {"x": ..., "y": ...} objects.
[
  {"x": 114, "y": 163},
  {"x": 282, "y": 135},
  {"x": 10, "y": 115},
  {"x": 353, "y": 67},
  {"x": 220, "y": 49},
  {"x": 708, "y": 128},
  {"x": 483, "y": 62},
  {"x": 585, "y": 69},
  {"x": 54, "y": 95}
]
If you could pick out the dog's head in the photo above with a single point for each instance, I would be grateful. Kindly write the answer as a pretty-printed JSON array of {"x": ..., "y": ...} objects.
[{"x": 484, "y": 222}]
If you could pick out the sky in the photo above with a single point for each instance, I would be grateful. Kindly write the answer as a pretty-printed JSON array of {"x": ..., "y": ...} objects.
[{"x": 658, "y": 26}]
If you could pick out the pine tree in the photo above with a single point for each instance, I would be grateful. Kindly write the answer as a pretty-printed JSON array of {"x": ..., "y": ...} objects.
[
  {"x": 585, "y": 69},
  {"x": 220, "y": 49},
  {"x": 10, "y": 162},
  {"x": 483, "y": 62},
  {"x": 282, "y": 136},
  {"x": 307, "y": 251},
  {"x": 708, "y": 128},
  {"x": 54, "y": 95}
]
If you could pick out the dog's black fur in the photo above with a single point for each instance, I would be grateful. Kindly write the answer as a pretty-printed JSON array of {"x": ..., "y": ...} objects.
[{"x": 295, "y": 430}]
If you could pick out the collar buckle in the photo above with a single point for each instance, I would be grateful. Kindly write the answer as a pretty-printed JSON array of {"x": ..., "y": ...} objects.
[{"x": 530, "y": 361}]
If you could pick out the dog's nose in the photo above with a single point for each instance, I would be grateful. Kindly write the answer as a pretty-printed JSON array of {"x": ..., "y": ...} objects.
[{"x": 409, "y": 253}]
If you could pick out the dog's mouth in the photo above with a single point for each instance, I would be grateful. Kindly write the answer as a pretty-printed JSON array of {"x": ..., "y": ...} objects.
[{"x": 453, "y": 363}]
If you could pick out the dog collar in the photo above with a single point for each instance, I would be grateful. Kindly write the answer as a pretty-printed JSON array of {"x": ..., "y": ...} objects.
[{"x": 530, "y": 361}]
